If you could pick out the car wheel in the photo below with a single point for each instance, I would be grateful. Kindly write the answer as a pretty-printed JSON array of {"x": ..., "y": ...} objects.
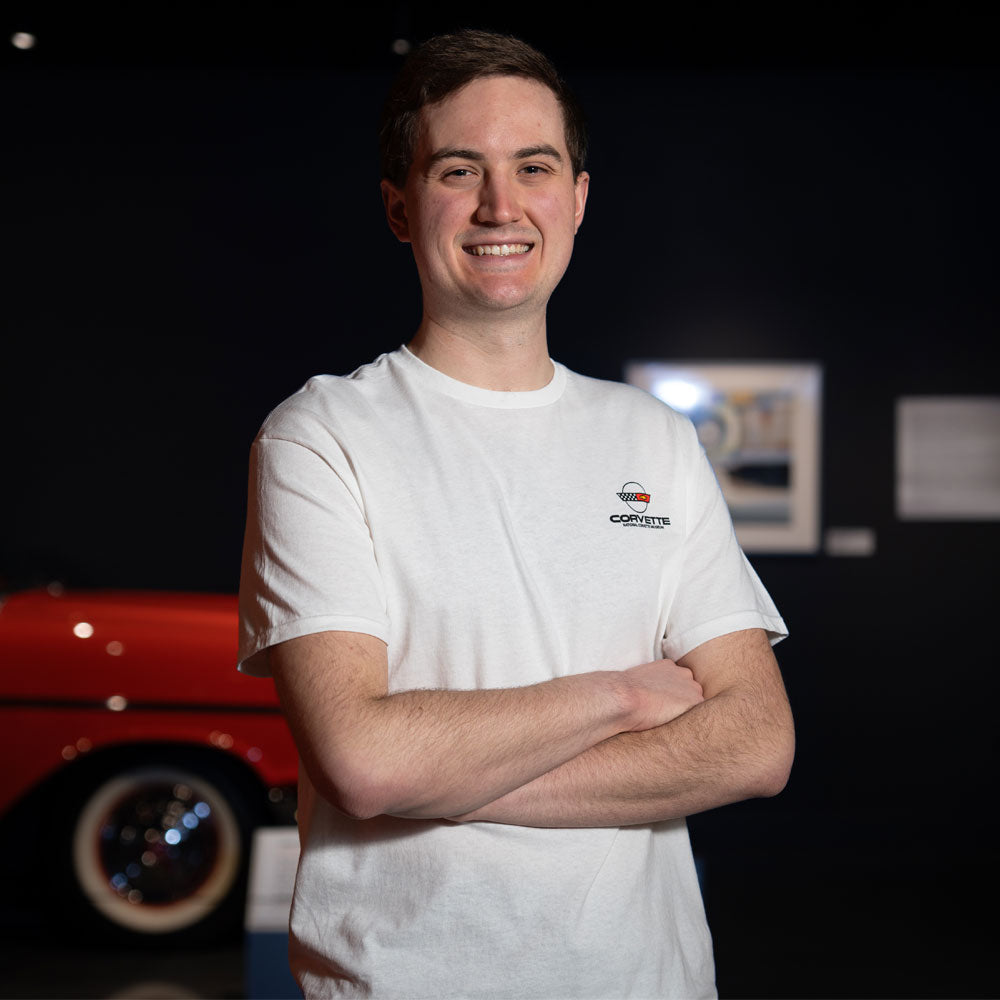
[{"x": 161, "y": 850}]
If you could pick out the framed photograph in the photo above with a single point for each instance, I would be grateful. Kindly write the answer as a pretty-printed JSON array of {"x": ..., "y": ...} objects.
[{"x": 760, "y": 426}]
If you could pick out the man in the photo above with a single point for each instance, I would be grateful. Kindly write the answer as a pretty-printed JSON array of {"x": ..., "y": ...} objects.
[{"x": 511, "y": 670}]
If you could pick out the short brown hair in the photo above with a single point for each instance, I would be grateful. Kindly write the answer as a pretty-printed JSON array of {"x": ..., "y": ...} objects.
[{"x": 445, "y": 64}]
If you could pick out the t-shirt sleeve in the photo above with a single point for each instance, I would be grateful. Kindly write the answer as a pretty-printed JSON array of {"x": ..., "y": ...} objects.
[
  {"x": 718, "y": 592},
  {"x": 308, "y": 559}
]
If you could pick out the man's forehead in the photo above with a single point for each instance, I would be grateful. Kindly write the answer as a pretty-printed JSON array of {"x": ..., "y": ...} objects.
[{"x": 511, "y": 111}]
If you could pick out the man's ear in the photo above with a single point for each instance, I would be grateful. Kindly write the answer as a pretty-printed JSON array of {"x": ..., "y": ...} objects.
[
  {"x": 395, "y": 211},
  {"x": 580, "y": 194}
]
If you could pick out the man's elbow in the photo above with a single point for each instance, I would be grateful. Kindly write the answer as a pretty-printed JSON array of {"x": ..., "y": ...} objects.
[
  {"x": 356, "y": 803},
  {"x": 775, "y": 765},
  {"x": 354, "y": 788},
  {"x": 772, "y": 780},
  {"x": 362, "y": 789}
]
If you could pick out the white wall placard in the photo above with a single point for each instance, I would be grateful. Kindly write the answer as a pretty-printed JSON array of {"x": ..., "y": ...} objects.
[{"x": 948, "y": 458}]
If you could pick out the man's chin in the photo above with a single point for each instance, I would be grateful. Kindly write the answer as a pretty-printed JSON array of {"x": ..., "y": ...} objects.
[{"x": 504, "y": 296}]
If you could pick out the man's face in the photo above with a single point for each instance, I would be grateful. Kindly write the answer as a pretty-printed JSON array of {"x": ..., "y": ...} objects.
[{"x": 490, "y": 205}]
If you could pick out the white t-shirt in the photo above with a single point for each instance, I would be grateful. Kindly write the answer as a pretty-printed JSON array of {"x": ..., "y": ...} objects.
[{"x": 491, "y": 539}]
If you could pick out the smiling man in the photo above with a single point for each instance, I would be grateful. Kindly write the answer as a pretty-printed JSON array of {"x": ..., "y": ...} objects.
[
  {"x": 504, "y": 710},
  {"x": 491, "y": 205}
]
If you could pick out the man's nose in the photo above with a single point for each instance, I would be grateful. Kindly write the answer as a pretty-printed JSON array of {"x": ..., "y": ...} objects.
[{"x": 498, "y": 202}]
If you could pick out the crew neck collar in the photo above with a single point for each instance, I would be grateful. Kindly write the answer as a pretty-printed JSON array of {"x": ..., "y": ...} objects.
[{"x": 439, "y": 382}]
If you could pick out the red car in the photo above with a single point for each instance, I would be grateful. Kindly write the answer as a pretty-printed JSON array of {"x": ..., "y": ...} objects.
[{"x": 138, "y": 757}]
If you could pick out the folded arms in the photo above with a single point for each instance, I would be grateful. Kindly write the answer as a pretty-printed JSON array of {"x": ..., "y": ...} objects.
[{"x": 604, "y": 748}]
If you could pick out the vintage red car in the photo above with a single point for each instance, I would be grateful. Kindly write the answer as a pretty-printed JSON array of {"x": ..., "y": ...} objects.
[{"x": 137, "y": 758}]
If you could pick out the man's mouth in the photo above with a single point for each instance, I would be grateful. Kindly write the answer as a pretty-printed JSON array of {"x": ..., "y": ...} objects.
[{"x": 498, "y": 249}]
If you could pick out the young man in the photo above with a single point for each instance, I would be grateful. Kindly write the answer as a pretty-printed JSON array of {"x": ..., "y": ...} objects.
[{"x": 510, "y": 669}]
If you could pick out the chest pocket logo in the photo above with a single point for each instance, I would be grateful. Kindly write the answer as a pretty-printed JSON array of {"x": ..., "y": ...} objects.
[{"x": 637, "y": 499}]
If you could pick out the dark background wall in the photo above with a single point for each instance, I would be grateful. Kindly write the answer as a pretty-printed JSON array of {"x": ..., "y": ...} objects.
[{"x": 192, "y": 228}]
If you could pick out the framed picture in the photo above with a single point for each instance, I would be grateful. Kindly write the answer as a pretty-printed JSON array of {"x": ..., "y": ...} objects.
[{"x": 760, "y": 426}]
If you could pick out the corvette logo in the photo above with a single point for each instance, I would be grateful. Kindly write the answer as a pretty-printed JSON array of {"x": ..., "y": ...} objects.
[{"x": 635, "y": 497}]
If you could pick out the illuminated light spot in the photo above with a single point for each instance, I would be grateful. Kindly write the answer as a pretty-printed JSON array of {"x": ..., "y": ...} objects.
[
  {"x": 678, "y": 393},
  {"x": 182, "y": 792},
  {"x": 23, "y": 40},
  {"x": 128, "y": 834},
  {"x": 401, "y": 46},
  {"x": 222, "y": 740},
  {"x": 114, "y": 648},
  {"x": 148, "y": 859},
  {"x": 135, "y": 896},
  {"x": 83, "y": 630},
  {"x": 190, "y": 821},
  {"x": 151, "y": 836},
  {"x": 133, "y": 870},
  {"x": 172, "y": 836},
  {"x": 84, "y": 745},
  {"x": 68, "y": 753},
  {"x": 117, "y": 703},
  {"x": 55, "y": 589},
  {"x": 254, "y": 754},
  {"x": 203, "y": 810},
  {"x": 119, "y": 881},
  {"x": 275, "y": 794}
]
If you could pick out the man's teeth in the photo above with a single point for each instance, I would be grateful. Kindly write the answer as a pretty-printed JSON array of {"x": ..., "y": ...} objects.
[{"x": 501, "y": 249}]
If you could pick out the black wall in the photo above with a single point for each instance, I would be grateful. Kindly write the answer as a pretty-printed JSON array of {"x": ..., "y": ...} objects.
[{"x": 186, "y": 244}]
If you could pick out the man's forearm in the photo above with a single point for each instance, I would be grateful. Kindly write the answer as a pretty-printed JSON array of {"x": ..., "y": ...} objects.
[
  {"x": 647, "y": 777},
  {"x": 430, "y": 752},
  {"x": 735, "y": 745}
]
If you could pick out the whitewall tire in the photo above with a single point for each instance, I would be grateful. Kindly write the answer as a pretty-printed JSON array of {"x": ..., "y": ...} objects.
[{"x": 157, "y": 850}]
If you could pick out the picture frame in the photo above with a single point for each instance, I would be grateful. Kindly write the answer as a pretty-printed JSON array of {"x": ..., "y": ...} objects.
[{"x": 759, "y": 423}]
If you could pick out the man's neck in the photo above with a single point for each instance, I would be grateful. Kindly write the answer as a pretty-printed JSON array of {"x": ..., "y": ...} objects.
[{"x": 506, "y": 360}]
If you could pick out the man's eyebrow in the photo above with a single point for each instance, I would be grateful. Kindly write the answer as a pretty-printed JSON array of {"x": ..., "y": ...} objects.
[
  {"x": 455, "y": 153},
  {"x": 543, "y": 149}
]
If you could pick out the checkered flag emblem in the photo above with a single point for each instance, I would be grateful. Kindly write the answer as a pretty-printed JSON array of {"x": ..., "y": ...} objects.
[{"x": 634, "y": 496}]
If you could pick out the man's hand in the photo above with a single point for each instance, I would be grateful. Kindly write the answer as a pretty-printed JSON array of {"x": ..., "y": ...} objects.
[{"x": 665, "y": 690}]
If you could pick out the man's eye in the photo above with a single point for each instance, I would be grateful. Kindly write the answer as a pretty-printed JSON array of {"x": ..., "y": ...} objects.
[
  {"x": 532, "y": 168},
  {"x": 459, "y": 172}
]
